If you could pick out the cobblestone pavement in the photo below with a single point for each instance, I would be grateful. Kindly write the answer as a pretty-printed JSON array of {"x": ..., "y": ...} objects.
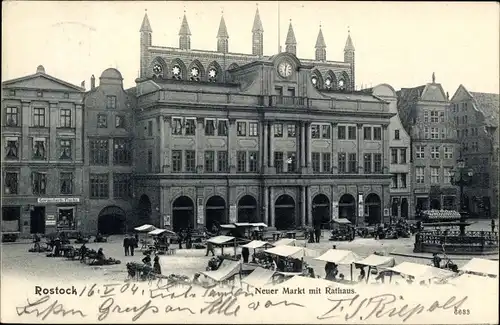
[{"x": 17, "y": 261}]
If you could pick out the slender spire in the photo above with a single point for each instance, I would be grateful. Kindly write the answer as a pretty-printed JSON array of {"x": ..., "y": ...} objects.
[
  {"x": 348, "y": 44},
  {"x": 222, "y": 28},
  {"x": 146, "y": 26},
  {"x": 320, "y": 41},
  {"x": 290, "y": 37},
  {"x": 184, "y": 27},
  {"x": 257, "y": 23}
]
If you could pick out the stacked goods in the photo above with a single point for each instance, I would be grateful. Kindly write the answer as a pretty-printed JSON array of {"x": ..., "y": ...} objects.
[{"x": 437, "y": 215}]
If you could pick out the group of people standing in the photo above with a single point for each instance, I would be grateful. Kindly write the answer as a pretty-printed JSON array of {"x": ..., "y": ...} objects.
[{"x": 130, "y": 243}]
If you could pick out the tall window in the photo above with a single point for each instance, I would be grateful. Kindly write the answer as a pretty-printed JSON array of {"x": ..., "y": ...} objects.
[
  {"x": 342, "y": 163},
  {"x": 278, "y": 161},
  {"x": 441, "y": 117},
  {"x": 419, "y": 175},
  {"x": 434, "y": 133},
  {"x": 66, "y": 182},
  {"x": 150, "y": 128},
  {"x": 353, "y": 164},
  {"x": 119, "y": 122},
  {"x": 12, "y": 116},
  {"x": 122, "y": 186},
  {"x": 209, "y": 127},
  {"x": 99, "y": 186},
  {"x": 315, "y": 157},
  {"x": 367, "y": 157},
  {"x": 176, "y": 126},
  {"x": 38, "y": 182},
  {"x": 102, "y": 121},
  {"x": 11, "y": 183},
  {"x": 209, "y": 161},
  {"x": 39, "y": 149},
  {"x": 434, "y": 117},
  {"x": 426, "y": 116},
  {"x": 121, "y": 152},
  {"x": 443, "y": 133},
  {"x": 190, "y": 126},
  {"x": 434, "y": 152},
  {"x": 241, "y": 129},
  {"x": 435, "y": 175},
  {"x": 65, "y": 149},
  {"x": 403, "y": 180},
  {"x": 377, "y": 163},
  {"x": 326, "y": 131},
  {"x": 420, "y": 152},
  {"x": 111, "y": 102},
  {"x": 291, "y": 130},
  {"x": 291, "y": 162},
  {"x": 99, "y": 152},
  {"x": 253, "y": 129},
  {"x": 351, "y": 132},
  {"x": 314, "y": 131},
  {"x": 426, "y": 133},
  {"x": 253, "y": 161},
  {"x": 377, "y": 133},
  {"x": 367, "y": 133},
  {"x": 447, "y": 175},
  {"x": 222, "y": 163},
  {"x": 341, "y": 133},
  {"x": 190, "y": 161},
  {"x": 448, "y": 152},
  {"x": 39, "y": 117},
  {"x": 394, "y": 181},
  {"x": 176, "y": 161},
  {"x": 222, "y": 128},
  {"x": 241, "y": 161},
  {"x": 65, "y": 117},
  {"x": 150, "y": 161},
  {"x": 402, "y": 156},
  {"x": 12, "y": 148},
  {"x": 396, "y": 134},
  {"x": 394, "y": 156},
  {"x": 327, "y": 162},
  {"x": 278, "y": 130}
]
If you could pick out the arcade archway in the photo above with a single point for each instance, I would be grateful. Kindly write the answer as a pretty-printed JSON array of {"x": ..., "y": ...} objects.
[
  {"x": 247, "y": 209},
  {"x": 284, "y": 212},
  {"x": 404, "y": 208},
  {"x": 215, "y": 212},
  {"x": 182, "y": 213},
  {"x": 144, "y": 210},
  {"x": 111, "y": 221},
  {"x": 373, "y": 209},
  {"x": 321, "y": 211},
  {"x": 347, "y": 208}
]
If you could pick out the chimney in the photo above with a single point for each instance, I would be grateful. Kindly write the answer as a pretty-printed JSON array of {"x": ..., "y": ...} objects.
[{"x": 92, "y": 82}]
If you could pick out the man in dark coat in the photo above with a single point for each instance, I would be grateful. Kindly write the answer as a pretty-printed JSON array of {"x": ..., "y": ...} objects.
[
  {"x": 126, "y": 245},
  {"x": 132, "y": 245}
]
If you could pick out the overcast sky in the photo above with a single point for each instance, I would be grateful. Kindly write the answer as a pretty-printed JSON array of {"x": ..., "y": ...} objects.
[{"x": 396, "y": 43}]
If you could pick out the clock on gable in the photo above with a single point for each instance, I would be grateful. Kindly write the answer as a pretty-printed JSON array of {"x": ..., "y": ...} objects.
[{"x": 285, "y": 69}]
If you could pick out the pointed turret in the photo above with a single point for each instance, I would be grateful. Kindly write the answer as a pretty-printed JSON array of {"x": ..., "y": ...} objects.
[
  {"x": 222, "y": 37},
  {"x": 291, "y": 42},
  {"x": 257, "y": 36},
  {"x": 146, "y": 42},
  {"x": 350, "y": 58},
  {"x": 320, "y": 46},
  {"x": 184, "y": 35}
]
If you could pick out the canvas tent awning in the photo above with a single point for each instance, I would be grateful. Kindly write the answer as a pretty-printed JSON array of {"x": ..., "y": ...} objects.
[
  {"x": 242, "y": 224},
  {"x": 256, "y": 244},
  {"x": 307, "y": 282},
  {"x": 472, "y": 280},
  {"x": 285, "y": 241},
  {"x": 259, "y": 277},
  {"x": 338, "y": 256},
  {"x": 228, "y": 226},
  {"x": 420, "y": 271},
  {"x": 157, "y": 232},
  {"x": 219, "y": 240},
  {"x": 145, "y": 228},
  {"x": 292, "y": 251},
  {"x": 224, "y": 272},
  {"x": 259, "y": 224},
  {"x": 341, "y": 221},
  {"x": 482, "y": 266},
  {"x": 377, "y": 261}
]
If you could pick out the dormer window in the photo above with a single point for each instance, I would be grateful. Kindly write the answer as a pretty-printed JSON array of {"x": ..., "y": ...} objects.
[{"x": 39, "y": 93}]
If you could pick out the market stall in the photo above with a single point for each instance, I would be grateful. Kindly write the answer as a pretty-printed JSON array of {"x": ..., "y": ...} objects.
[
  {"x": 339, "y": 257},
  {"x": 225, "y": 272},
  {"x": 377, "y": 262},
  {"x": 481, "y": 266},
  {"x": 259, "y": 277},
  {"x": 285, "y": 242},
  {"x": 420, "y": 272}
]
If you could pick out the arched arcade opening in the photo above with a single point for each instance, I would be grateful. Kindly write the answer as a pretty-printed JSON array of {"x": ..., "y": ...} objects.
[
  {"x": 247, "y": 209},
  {"x": 373, "y": 209},
  {"x": 215, "y": 212},
  {"x": 182, "y": 213},
  {"x": 321, "y": 211},
  {"x": 111, "y": 221},
  {"x": 284, "y": 212},
  {"x": 347, "y": 208}
]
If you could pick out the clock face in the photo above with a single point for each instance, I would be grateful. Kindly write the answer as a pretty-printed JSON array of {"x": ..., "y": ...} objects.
[
  {"x": 285, "y": 69},
  {"x": 157, "y": 69}
]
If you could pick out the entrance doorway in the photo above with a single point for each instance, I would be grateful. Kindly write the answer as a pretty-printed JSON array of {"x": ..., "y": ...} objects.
[
  {"x": 321, "y": 211},
  {"x": 215, "y": 212},
  {"x": 347, "y": 208},
  {"x": 404, "y": 208},
  {"x": 37, "y": 220},
  {"x": 182, "y": 213},
  {"x": 111, "y": 221},
  {"x": 373, "y": 209},
  {"x": 247, "y": 209},
  {"x": 284, "y": 212}
]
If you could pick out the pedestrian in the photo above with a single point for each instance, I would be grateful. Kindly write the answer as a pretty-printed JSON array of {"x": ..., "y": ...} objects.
[
  {"x": 492, "y": 225},
  {"x": 136, "y": 245},
  {"x": 210, "y": 249},
  {"x": 132, "y": 244},
  {"x": 83, "y": 253},
  {"x": 126, "y": 244},
  {"x": 317, "y": 233},
  {"x": 180, "y": 238},
  {"x": 147, "y": 260},
  {"x": 245, "y": 253},
  {"x": 436, "y": 260},
  {"x": 156, "y": 265}
]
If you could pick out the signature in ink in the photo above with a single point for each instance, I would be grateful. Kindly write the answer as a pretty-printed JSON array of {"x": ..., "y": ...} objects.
[
  {"x": 51, "y": 308},
  {"x": 388, "y": 305}
]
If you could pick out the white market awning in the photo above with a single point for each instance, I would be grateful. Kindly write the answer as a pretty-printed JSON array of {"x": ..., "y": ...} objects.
[
  {"x": 338, "y": 256},
  {"x": 159, "y": 231},
  {"x": 378, "y": 261},
  {"x": 471, "y": 280},
  {"x": 308, "y": 282},
  {"x": 224, "y": 272},
  {"x": 242, "y": 224},
  {"x": 481, "y": 266},
  {"x": 228, "y": 226},
  {"x": 420, "y": 271},
  {"x": 219, "y": 240},
  {"x": 259, "y": 277},
  {"x": 285, "y": 241},
  {"x": 145, "y": 228},
  {"x": 292, "y": 251},
  {"x": 257, "y": 244}
]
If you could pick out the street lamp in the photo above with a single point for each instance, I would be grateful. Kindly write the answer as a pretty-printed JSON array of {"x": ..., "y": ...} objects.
[{"x": 462, "y": 176}]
